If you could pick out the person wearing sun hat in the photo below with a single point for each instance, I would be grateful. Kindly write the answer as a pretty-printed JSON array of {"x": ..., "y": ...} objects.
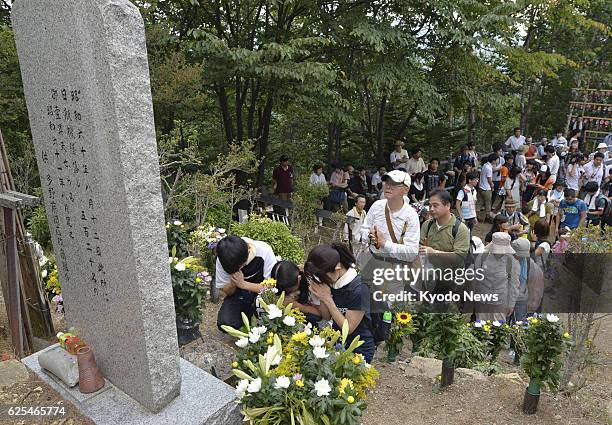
[
  {"x": 531, "y": 280},
  {"x": 500, "y": 278},
  {"x": 604, "y": 149},
  {"x": 399, "y": 157},
  {"x": 519, "y": 225}
]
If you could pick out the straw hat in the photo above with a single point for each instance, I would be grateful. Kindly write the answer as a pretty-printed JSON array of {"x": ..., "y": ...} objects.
[
  {"x": 511, "y": 203},
  {"x": 522, "y": 247},
  {"x": 398, "y": 143},
  {"x": 500, "y": 244},
  {"x": 602, "y": 145}
]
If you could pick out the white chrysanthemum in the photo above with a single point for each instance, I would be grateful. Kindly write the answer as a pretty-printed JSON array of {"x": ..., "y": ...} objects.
[
  {"x": 552, "y": 318},
  {"x": 316, "y": 341},
  {"x": 478, "y": 324},
  {"x": 282, "y": 382},
  {"x": 322, "y": 387},
  {"x": 289, "y": 320},
  {"x": 254, "y": 386},
  {"x": 496, "y": 323},
  {"x": 177, "y": 223},
  {"x": 274, "y": 312},
  {"x": 180, "y": 267},
  {"x": 221, "y": 230},
  {"x": 308, "y": 329},
  {"x": 254, "y": 337},
  {"x": 241, "y": 388},
  {"x": 242, "y": 342},
  {"x": 260, "y": 329},
  {"x": 520, "y": 322},
  {"x": 319, "y": 353},
  {"x": 44, "y": 274}
]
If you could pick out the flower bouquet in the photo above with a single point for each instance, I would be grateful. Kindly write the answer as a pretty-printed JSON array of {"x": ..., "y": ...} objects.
[
  {"x": 50, "y": 278},
  {"x": 178, "y": 235},
  {"x": 401, "y": 326},
  {"x": 446, "y": 330},
  {"x": 494, "y": 336},
  {"x": 291, "y": 373},
  {"x": 545, "y": 342},
  {"x": 190, "y": 283}
]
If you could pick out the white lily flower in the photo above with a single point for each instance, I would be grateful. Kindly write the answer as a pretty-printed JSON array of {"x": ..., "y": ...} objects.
[
  {"x": 254, "y": 386},
  {"x": 274, "y": 356},
  {"x": 552, "y": 318},
  {"x": 180, "y": 267},
  {"x": 316, "y": 341},
  {"x": 242, "y": 342},
  {"x": 44, "y": 274},
  {"x": 308, "y": 329},
  {"x": 241, "y": 388},
  {"x": 282, "y": 382},
  {"x": 322, "y": 387},
  {"x": 320, "y": 353},
  {"x": 289, "y": 320},
  {"x": 254, "y": 337},
  {"x": 177, "y": 223},
  {"x": 274, "y": 312}
]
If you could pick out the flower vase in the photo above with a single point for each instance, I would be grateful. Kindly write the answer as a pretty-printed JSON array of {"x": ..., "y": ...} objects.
[
  {"x": 448, "y": 372},
  {"x": 90, "y": 377},
  {"x": 531, "y": 398},
  {"x": 187, "y": 330},
  {"x": 392, "y": 352}
]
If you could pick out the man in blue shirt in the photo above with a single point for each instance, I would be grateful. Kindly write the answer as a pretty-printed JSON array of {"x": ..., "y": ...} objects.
[{"x": 573, "y": 211}]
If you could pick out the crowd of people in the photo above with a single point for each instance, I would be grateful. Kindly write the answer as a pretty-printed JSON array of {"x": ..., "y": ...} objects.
[{"x": 412, "y": 213}]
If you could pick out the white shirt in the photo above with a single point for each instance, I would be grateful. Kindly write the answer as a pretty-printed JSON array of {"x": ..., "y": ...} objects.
[
  {"x": 262, "y": 250},
  {"x": 514, "y": 142},
  {"x": 314, "y": 179},
  {"x": 513, "y": 188},
  {"x": 485, "y": 173},
  {"x": 561, "y": 141},
  {"x": 573, "y": 181},
  {"x": 468, "y": 205},
  {"x": 593, "y": 173},
  {"x": 376, "y": 179},
  {"x": 409, "y": 249},
  {"x": 553, "y": 165},
  {"x": 359, "y": 220},
  {"x": 414, "y": 166},
  {"x": 396, "y": 156},
  {"x": 498, "y": 164}
]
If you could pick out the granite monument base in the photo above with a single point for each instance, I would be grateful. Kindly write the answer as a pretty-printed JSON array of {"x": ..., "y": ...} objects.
[{"x": 204, "y": 400}]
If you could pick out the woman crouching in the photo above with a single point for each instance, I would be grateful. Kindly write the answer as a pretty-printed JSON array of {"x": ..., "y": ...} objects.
[{"x": 336, "y": 283}]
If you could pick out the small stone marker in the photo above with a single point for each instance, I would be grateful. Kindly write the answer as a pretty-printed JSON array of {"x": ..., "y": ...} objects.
[{"x": 86, "y": 81}]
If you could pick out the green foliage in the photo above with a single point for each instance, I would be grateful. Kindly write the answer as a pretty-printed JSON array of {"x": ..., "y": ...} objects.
[
  {"x": 177, "y": 233},
  {"x": 219, "y": 215},
  {"x": 275, "y": 233},
  {"x": 188, "y": 288},
  {"x": 545, "y": 344},
  {"x": 306, "y": 199},
  {"x": 38, "y": 226},
  {"x": 445, "y": 331}
]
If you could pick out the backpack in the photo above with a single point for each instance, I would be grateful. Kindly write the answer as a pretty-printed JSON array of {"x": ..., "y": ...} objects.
[{"x": 606, "y": 217}]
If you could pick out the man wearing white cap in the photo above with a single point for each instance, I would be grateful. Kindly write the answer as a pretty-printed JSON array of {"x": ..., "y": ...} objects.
[
  {"x": 392, "y": 225},
  {"x": 501, "y": 279}
]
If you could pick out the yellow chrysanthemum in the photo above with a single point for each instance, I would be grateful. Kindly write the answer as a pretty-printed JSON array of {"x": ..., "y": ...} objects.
[
  {"x": 566, "y": 335},
  {"x": 356, "y": 359},
  {"x": 299, "y": 383},
  {"x": 299, "y": 337},
  {"x": 234, "y": 365},
  {"x": 486, "y": 328},
  {"x": 350, "y": 399},
  {"x": 198, "y": 280},
  {"x": 403, "y": 318},
  {"x": 269, "y": 283},
  {"x": 298, "y": 315},
  {"x": 344, "y": 383}
]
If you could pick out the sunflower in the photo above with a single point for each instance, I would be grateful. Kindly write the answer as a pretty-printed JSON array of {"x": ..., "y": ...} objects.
[{"x": 403, "y": 318}]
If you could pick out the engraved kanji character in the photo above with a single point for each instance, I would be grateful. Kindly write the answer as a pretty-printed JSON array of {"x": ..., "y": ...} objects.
[
  {"x": 64, "y": 94},
  {"x": 54, "y": 94},
  {"x": 86, "y": 231},
  {"x": 67, "y": 115}
]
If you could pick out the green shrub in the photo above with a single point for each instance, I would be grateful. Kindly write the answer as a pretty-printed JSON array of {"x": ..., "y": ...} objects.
[
  {"x": 275, "y": 233},
  {"x": 38, "y": 226}
]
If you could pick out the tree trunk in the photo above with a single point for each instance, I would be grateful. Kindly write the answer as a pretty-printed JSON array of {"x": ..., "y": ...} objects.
[
  {"x": 263, "y": 133},
  {"x": 380, "y": 130},
  {"x": 225, "y": 113},
  {"x": 471, "y": 124}
]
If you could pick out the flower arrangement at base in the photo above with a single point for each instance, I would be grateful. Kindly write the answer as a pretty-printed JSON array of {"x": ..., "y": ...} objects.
[
  {"x": 189, "y": 286},
  {"x": 178, "y": 237},
  {"x": 206, "y": 238},
  {"x": 291, "y": 373},
  {"x": 50, "y": 278},
  {"x": 493, "y": 334},
  {"x": 402, "y": 325}
]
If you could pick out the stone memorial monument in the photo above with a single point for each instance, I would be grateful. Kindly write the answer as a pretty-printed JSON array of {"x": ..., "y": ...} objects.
[{"x": 86, "y": 81}]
